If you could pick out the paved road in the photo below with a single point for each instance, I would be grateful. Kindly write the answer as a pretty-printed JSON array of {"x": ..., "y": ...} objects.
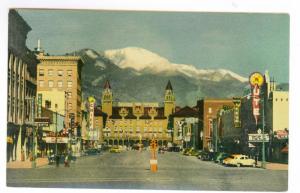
[{"x": 130, "y": 170}]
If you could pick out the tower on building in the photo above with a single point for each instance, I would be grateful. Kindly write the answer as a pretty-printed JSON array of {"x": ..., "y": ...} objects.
[
  {"x": 107, "y": 99},
  {"x": 169, "y": 102}
]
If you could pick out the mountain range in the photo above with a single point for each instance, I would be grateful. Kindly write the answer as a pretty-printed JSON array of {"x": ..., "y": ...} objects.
[{"x": 137, "y": 74}]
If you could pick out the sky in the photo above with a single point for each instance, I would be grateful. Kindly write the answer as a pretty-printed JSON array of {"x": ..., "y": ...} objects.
[{"x": 240, "y": 42}]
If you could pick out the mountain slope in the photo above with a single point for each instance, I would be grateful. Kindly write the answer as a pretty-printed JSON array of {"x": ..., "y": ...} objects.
[
  {"x": 145, "y": 78},
  {"x": 145, "y": 61}
]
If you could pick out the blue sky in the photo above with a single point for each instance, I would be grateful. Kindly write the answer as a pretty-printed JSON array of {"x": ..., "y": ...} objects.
[{"x": 240, "y": 42}]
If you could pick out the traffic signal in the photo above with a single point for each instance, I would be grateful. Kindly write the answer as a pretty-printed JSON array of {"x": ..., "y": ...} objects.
[{"x": 153, "y": 144}]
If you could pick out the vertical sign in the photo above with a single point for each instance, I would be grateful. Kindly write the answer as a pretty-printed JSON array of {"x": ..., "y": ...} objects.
[
  {"x": 91, "y": 118},
  {"x": 236, "y": 112},
  {"x": 39, "y": 113},
  {"x": 255, "y": 102},
  {"x": 256, "y": 79}
]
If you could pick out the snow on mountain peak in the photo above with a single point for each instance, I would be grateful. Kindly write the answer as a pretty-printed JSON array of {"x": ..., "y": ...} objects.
[{"x": 141, "y": 60}]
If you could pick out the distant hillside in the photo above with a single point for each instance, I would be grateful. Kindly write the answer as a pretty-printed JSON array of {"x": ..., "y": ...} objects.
[{"x": 147, "y": 82}]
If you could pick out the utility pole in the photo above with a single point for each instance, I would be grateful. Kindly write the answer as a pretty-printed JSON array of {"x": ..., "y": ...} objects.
[
  {"x": 56, "y": 129},
  {"x": 263, "y": 163},
  {"x": 33, "y": 164}
]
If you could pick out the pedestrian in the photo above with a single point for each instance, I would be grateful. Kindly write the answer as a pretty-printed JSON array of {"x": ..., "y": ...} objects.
[
  {"x": 57, "y": 160},
  {"x": 67, "y": 157}
]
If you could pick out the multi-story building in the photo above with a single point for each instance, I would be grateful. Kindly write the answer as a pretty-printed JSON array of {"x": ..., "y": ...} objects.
[
  {"x": 274, "y": 115},
  {"x": 59, "y": 83},
  {"x": 129, "y": 123},
  {"x": 208, "y": 110},
  {"x": 21, "y": 88},
  {"x": 185, "y": 124}
]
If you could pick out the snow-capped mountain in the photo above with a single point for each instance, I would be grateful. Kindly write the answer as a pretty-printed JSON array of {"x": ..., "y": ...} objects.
[
  {"x": 136, "y": 74},
  {"x": 145, "y": 61}
]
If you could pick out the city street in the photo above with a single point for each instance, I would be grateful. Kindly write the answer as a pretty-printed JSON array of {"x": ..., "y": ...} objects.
[{"x": 130, "y": 170}]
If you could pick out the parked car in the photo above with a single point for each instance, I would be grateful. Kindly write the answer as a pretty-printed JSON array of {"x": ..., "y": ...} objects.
[
  {"x": 92, "y": 152},
  {"x": 220, "y": 156},
  {"x": 174, "y": 149},
  {"x": 186, "y": 151},
  {"x": 115, "y": 150},
  {"x": 51, "y": 159},
  {"x": 239, "y": 160},
  {"x": 206, "y": 156},
  {"x": 161, "y": 150},
  {"x": 137, "y": 146}
]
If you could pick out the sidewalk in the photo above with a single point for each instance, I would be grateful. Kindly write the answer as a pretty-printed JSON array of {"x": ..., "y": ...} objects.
[
  {"x": 27, "y": 164},
  {"x": 274, "y": 166}
]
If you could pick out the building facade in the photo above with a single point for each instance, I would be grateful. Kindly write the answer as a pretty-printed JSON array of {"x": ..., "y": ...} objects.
[
  {"x": 131, "y": 123},
  {"x": 59, "y": 83},
  {"x": 21, "y": 88},
  {"x": 208, "y": 111},
  {"x": 186, "y": 132}
]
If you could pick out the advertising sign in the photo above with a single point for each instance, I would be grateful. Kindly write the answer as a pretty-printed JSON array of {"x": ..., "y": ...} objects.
[
  {"x": 91, "y": 112},
  {"x": 258, "y": 137},
  {"x": 236, "y": 112},
  {"x": 59, "y": 139},
  {"x": 281, "y": 134},
  {"x": 256, "y": 79},
  {"x": 39, "y": 110},
  {"x": 255, "y": 102}
]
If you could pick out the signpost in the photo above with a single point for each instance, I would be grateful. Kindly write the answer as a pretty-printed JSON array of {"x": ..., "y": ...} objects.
[
  {"x": 256, "y": 80},
  {"x": 258, "y": 137}
]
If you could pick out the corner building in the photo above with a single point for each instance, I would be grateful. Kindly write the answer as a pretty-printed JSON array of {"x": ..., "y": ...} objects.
[
  {"x": 21, "y": 89},
  {"x": 59, "y": 82},
  {"x": 138, "y": 122}
]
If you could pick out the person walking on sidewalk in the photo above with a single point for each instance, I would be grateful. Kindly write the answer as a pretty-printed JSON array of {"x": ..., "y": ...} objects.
[{"x": 57, "y": 160}]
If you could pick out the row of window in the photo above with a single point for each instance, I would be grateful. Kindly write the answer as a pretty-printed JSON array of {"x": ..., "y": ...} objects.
[
  {"x": 51, "y": 83},
  {"x": 281, "y": 99},
  {"x": 51, "y": 72},
  {"x": 131, "y": 129},
  {"x": 134, "y": 135}
]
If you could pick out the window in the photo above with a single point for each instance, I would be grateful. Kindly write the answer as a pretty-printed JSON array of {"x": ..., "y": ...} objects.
[
  {"x": 41, "y": 83},
  {"x": 41, "y": 72},
  {"x": 50, "y": 83},
  {"x": 209, "y": 110},
  {"x": 69, "y": 72},
  {"x": 70, "y": 106},
  {"x": 47, "y": 104},
  {"x": 60, "y": 73},
  {"x": 60, "y": 83},
  {"x": 69, "y": 84},
  {"x": 50, "y": 72},
  {"x": 69, "y": 94}
]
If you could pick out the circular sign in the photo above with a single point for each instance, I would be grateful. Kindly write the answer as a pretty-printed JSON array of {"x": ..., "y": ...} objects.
[
  {"x": 91, "y": 99},
  {"x": 256, "y": 78}
]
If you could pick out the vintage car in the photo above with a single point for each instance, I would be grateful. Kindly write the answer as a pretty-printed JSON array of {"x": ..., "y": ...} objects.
[
  {"x": 239, "y": 160},
  {"x": 115, "y": 150}
]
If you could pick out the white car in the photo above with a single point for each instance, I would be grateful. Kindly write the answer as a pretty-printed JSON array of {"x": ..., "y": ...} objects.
[{"x": 239, "y": 160}]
